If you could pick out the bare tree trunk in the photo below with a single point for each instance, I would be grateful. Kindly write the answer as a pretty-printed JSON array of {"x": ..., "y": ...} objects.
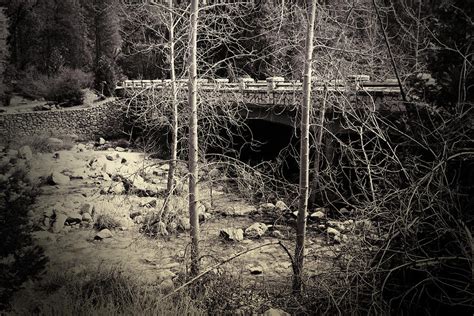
[
  {"x": 174, "y": 104},
  {"x": 298, "y": 263},
  {"x": 193, "y": 142}
]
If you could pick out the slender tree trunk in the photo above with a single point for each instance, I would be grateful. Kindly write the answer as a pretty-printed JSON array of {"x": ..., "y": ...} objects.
[
  {"x": 193, "y": 142},
  {"x": 174, "y": 104},
  {"x": 298, "y": 263}
]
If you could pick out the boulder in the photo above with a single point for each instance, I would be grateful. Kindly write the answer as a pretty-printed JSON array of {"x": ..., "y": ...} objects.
[
  {"x": 117, "y": 188},
  {"x": 73, "y": 218},
  {"x": 86, "y": 217},
  {"x": 256, "y": 230},
  {"x": 25, "y": 153},
  {"x": 277, "y": 234},
  {"x": 87, "y": 208},
  {"x": 57, "y": 178},
  {"x": 317, "y": 215},
  {"x": 110, "y": 157},
  {"x": 101, "y": 141},
  {"x": 58, "y": 224},
  {"x": 232, "y": 234},
  {"x": 255, "y": 269},
  {"x": 332, "y": 231},
  {"x": 281, "y": 206},
  {"x": 275, "y": 312},
  {"x": 103, "y": 234},
  {"x": 119, "y": 149},
  {"x": 266, "y": 207},
  {"x": 338, "y": 225}
]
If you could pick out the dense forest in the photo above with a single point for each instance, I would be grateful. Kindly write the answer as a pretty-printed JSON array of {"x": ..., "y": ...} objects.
[{"x": 403, "y": 182}]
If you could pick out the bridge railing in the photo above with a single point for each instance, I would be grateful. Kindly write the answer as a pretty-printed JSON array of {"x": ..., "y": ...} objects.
[{"x": 270, "y": 85}]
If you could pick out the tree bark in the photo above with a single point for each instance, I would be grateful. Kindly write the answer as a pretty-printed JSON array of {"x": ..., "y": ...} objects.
[
  {"x": 298, "y": 264},
  {"x": 174, "y": 104},
  {"x": 193, "y": 142}
]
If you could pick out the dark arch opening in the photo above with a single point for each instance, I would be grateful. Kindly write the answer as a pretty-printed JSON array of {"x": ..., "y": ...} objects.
[{"x": 264, "y": 141}]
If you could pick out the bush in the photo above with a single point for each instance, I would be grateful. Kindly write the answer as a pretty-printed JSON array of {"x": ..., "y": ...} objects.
[{"x": 64, "y": 88}]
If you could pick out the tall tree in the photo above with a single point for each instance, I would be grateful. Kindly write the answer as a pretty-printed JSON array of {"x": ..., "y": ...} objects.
[
  {"x": 48, "y": 34},
  {"x": 174, "y": 104},
  {"x": 193, "y": 140},
  {"x": 105, "y": 40},
  {"x": 298, "y": 263}
]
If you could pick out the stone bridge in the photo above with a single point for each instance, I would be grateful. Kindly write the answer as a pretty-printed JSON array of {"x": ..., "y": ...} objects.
[{"x": 276, "y": 99}]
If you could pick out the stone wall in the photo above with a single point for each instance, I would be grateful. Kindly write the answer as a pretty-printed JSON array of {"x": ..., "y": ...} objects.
[{"x": 104, "y": 120}]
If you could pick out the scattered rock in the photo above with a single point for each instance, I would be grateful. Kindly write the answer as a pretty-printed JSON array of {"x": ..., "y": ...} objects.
[
  {"x": 318, "y": 215},
  {"x": 103, "y": 234},
  {"x": 332, "y": 231},
  {"x": 275, "y": 312},
  {"x": 134, "y": 213},
  {"x": 204, "y": 216},
  {"x": 46, "y": 223},
  {"x": 110, "y": 157},
  {"x": 338, "y": 225},
  {"x": 255, "y": 269},
  {"x": 256, "y": 230},
  {"x": 277, "y": 234},
  {"x": 139, "y": 219},
  {"x": 58, "y": 224},
  {"x": 25, "y": 153},
  {"x": 87, "y": 208},
  {"x": 57, "y": 178},
  {"x": 86, "y": 217},
  {"x": 281, "y": 206},
  {"x": 49, "y": 212},
  {"x": 183, "y": 223},
  {"x": 232, "y": 234},
  {"x": 117, "y": 188},
  {"x": 266, "y": 207},
  {"x": 73, "y": 218},
  {"x": 119, "y": 149},
  {"x": 101, "y": 141},
  {"x": 344, "y": 211}
]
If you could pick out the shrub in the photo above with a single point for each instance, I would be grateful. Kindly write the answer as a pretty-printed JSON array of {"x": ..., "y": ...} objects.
[{"x": 64, "y": 88}]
